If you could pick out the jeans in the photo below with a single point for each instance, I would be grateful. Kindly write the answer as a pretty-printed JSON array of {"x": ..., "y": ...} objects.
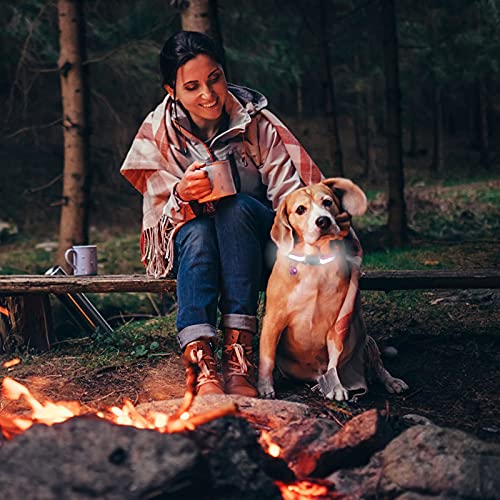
[{"x": 219, "y": 261}]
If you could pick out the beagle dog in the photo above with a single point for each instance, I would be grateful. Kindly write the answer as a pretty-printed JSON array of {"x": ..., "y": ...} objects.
[{"x": 313, "y": 329}]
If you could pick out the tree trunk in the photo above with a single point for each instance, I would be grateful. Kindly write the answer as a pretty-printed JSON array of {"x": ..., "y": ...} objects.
[
  {"x": 413, "y": 129},
  {"x": 397, "y": 222},
  {"x": 300, "y": 97},
  {"x": 438, "y": 161},
  {"x": 331, "y": 108},
  {"x": 73, "y": 227},
  {"x": 358, "y": 112},
  {"x": 484, "y": 143},
  {"x": 202, "y": 16},
  {"x": 370, "y": 133}
]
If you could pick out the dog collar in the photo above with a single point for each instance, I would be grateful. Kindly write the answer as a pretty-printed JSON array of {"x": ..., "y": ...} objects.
[{"x": 311, "y": 260}]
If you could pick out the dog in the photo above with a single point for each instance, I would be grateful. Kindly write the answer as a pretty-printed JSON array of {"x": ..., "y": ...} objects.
[{"x": 313, "y": 328}]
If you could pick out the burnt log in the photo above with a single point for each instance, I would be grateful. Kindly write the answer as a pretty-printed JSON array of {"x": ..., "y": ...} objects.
[
  {"x": 353, "y": 445},
  {"x": 301, "y": 437}
]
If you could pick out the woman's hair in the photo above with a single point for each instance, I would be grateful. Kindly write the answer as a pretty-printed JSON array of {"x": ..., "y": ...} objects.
[{"x": 182, "y": 47}]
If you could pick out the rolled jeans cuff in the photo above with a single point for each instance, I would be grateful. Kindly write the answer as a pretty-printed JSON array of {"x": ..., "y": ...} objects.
[
  {"x": 240, "y": 322},
  {"x": 190, "y": 333}
]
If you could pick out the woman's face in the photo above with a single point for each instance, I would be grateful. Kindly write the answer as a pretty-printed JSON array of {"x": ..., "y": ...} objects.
[{"x": 201, "y": 87}]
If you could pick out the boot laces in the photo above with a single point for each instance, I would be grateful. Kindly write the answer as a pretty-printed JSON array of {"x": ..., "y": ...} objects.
[
  {"x": 203, "y": 361},
  {"x": 238, "y": 366}
]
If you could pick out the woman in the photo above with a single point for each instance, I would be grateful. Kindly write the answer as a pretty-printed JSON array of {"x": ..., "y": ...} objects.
[{"x": 216, "y": 248}]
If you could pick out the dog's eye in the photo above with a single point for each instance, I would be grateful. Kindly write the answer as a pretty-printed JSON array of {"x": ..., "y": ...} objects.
[
  {"x": 300, "y": 209},
  {"x": 327, "y": 203}
]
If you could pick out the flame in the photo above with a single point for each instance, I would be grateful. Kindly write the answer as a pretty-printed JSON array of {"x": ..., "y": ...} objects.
[
  {"x": 50, "y": 413},
  {"x": 11, "y": 363},
  {"x": 4, "y": 311},
  {"x": 302, "y": 490},
  {"x": 269, "y": 446}
]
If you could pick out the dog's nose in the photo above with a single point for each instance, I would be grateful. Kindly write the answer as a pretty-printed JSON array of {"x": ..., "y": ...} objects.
[{"x": 323, "y": 222}]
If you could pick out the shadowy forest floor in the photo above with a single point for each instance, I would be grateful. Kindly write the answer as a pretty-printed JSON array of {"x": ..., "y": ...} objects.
[{"x": 448, "y": 342}]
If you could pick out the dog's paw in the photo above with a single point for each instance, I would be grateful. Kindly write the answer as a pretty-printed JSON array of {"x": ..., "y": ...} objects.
[
  {"x": 395, "y": 385},
  {"x": 266, "y": 390},
  {"x": 339, "y": 393}
]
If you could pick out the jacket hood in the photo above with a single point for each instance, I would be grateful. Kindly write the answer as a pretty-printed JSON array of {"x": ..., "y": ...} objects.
[{"x": 250, "y": 99}]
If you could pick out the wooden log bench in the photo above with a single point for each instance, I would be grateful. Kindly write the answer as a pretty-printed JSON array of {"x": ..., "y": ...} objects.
[
  {"x": 370, "y": 280},
  {"x": 27, "y": 295}
]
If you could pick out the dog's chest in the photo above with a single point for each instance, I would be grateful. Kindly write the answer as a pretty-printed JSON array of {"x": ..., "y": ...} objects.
[{"x": 316, "y": 297}]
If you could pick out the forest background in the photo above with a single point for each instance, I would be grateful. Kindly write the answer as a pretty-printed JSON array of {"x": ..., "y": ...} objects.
[
  {"x": 321, "y": 65},
  {"x": 325, "y": 66}
]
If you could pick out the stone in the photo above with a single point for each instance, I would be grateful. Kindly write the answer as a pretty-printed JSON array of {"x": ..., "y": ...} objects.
[
  {"x": 414, "y": 419},
  {"x": 47, "y": 246},
  {"x": 389, "y": 352},
  {"x": 239, "y": 467},
  {"x": 427, "y": 460},
  {"x": 90, "y": 458},
  {"x": 86, "y": 457},
  {"x": 263, "y": 412}
]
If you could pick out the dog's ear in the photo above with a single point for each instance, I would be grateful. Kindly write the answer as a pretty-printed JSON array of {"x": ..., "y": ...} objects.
[
  {"x": 351, "y": 196},
  {"x": 282, "y": 232}
]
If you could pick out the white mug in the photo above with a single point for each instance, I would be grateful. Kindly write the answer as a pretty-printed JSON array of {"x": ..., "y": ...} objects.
[
  {"x": 82, "y": 259},
  {"x": 221, "y": 179}
]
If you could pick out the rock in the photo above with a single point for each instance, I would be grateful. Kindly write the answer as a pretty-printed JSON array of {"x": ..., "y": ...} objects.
[
  {"x": 266, "y": 412},
  {"x": 86, "y": 457},
  {"x": 414, "y": 419},
  {"x": 48, "y": 246},
  {"x": 427, "y": 460},
  {"x": 89, "y": 458},
  {"x": 239, "y": 467},
  {"x": 352, "y": 445},
  {"x": 389, "y": 352},
  {"x": 7, "y": 229}
]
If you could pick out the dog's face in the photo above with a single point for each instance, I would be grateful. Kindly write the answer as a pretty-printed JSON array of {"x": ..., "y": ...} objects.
[{"x": 308, "y": 214}]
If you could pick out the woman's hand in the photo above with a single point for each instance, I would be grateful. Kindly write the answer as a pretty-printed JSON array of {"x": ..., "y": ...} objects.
[{"x": 195, "y": 184}]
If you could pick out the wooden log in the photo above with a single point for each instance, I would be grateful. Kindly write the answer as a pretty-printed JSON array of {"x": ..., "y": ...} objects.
[
  {"x": 25, "y": 284},
  {"x": 430, "y": 279},
  {"x": 30, "y": 321},
  {"x": 370, "y": 280}
]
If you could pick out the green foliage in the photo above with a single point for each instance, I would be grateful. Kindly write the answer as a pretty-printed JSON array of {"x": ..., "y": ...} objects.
[{"x": 137, "y": 339}]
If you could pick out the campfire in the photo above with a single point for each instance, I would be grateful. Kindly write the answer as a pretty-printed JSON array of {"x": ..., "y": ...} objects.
[{"x": 50, "y": 413}]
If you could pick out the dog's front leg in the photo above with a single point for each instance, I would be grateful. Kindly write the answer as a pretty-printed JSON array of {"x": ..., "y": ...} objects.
[
  {"x": 330, "y": 383},
  {"x": 272, "y": 327}
]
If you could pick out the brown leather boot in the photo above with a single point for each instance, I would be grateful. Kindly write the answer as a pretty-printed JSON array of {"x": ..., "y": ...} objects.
[
  {"x": 237, "y": 363},
  {"x": 199, "y": 354}
]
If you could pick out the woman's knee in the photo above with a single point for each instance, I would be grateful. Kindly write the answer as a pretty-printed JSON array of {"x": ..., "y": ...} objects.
[
  {"x": 241, "y": 207},
  {"x": 196, "y": 236}
]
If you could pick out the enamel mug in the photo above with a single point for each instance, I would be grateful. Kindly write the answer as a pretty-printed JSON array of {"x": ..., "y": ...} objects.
[
  {"x": 82, "y": 259},
  {"x": 221, "y": 179}
]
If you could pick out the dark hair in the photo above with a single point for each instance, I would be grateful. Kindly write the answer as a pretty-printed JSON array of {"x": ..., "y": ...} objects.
[{"x": 182, "y": 47}]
